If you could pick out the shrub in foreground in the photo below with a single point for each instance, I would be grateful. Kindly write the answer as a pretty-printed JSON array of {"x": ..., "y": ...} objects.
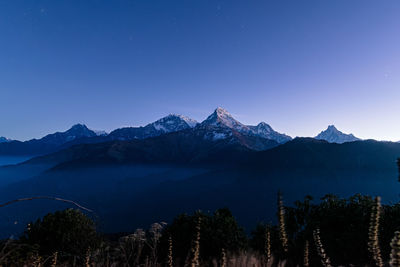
[{"x": 69, "y": 231}]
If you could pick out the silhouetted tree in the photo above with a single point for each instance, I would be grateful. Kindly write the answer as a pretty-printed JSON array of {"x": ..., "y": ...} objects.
[{"x": 68, "y": 231}]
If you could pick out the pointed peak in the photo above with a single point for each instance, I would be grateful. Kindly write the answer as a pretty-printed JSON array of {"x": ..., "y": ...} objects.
[
  {"x": 80, "y": 129},
  {"x": 220, "y": 109},
  {"x": 332, "y": 127},
  {"x": 222, "y": 112},
  {"x": 173, "y": 115},
  {"x": 168, "y": 117},
  {"x": 264, "y": 130},
  {"x": 264, "y": 125},
  {"x": 78, "y": 126},
  {"x": 221, "y": 116},
  {"x": 76, "y": 131},
  {"x": 333, "y": 135}
]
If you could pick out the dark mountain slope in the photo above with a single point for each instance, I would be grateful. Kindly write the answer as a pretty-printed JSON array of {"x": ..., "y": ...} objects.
[
  {"x": 308, "y": 153},
  {"x": 199, "y": 146},
  {"x": 105, "y": 176},
  {"x": 47, "y": 144},
  {"x": 191, "y": 146}
]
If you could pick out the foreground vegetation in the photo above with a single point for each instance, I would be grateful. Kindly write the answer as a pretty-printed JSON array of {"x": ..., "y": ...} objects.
[{"x": 330, "y": 232}]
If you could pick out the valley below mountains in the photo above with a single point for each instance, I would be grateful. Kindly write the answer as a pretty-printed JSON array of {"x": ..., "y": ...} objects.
[{"x": 134, "y": 176}]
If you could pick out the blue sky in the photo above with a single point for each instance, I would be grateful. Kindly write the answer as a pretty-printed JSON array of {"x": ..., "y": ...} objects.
[{"x": 297, "y": 65}]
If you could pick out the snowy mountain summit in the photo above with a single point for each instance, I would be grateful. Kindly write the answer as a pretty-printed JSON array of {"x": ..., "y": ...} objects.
[
  {"x": 169, "y": 124},
  {"x": 4, "y": 140},
  {"x": 265, "y": 130},
  {"x": 222, "y": 118},
  {"x": 173, "y": 123},
  {"x": 333, "y": 135}
]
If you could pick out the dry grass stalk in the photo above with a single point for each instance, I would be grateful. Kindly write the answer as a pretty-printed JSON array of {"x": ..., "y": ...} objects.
[
  {"x": 267, "y": 249},
  {"x": 87, "y": 258},
  {"x": 306, "y": 261},
  {"x": 153, "y": 240},
  {"x": 54, "y": 261},
  {"x": 395, "y": 253},
  {"x": 282, "y": 226},
  {"x": 170, "y": 255},
  {"x": 223, "y": 258},
  {"x": 320, "y": 249},
  {"x": 195, "y": 262},
  {"x": 373, "y": 233},
  {"x": 244, "y": 259},
  {"x": 131, "y": 246},
  {"x": 37, "y": 260}
]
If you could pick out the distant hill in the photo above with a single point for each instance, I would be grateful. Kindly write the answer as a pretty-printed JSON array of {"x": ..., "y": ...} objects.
[
  {"x": 309, "y": 153},
  {"x": 215, "y": 145},
  {"x": 203, "y": 144},
  {"x": 47, "y": 144}
]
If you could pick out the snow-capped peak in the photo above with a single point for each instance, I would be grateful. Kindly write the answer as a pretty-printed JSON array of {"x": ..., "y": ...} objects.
[
  {"x": 333, "y": 135},
  {"x": 192, "y": 123},
  {"x": 4, "y": 139},
  {"x": 222, "y": 112},
  {"x": 262, "y": 126},
  {"x": 332, "y": 128},
  {"x": 173, "y": 123},
  {"x": 221, "y": 117},
  {"x": 265, "y": 130}
]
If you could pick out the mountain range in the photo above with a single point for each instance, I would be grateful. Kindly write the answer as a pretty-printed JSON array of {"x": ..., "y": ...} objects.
[{"x": 219, "y": 125}]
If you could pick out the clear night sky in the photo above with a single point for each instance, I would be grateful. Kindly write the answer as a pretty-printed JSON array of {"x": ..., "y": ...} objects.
[{"x": 297, "y": 65}]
